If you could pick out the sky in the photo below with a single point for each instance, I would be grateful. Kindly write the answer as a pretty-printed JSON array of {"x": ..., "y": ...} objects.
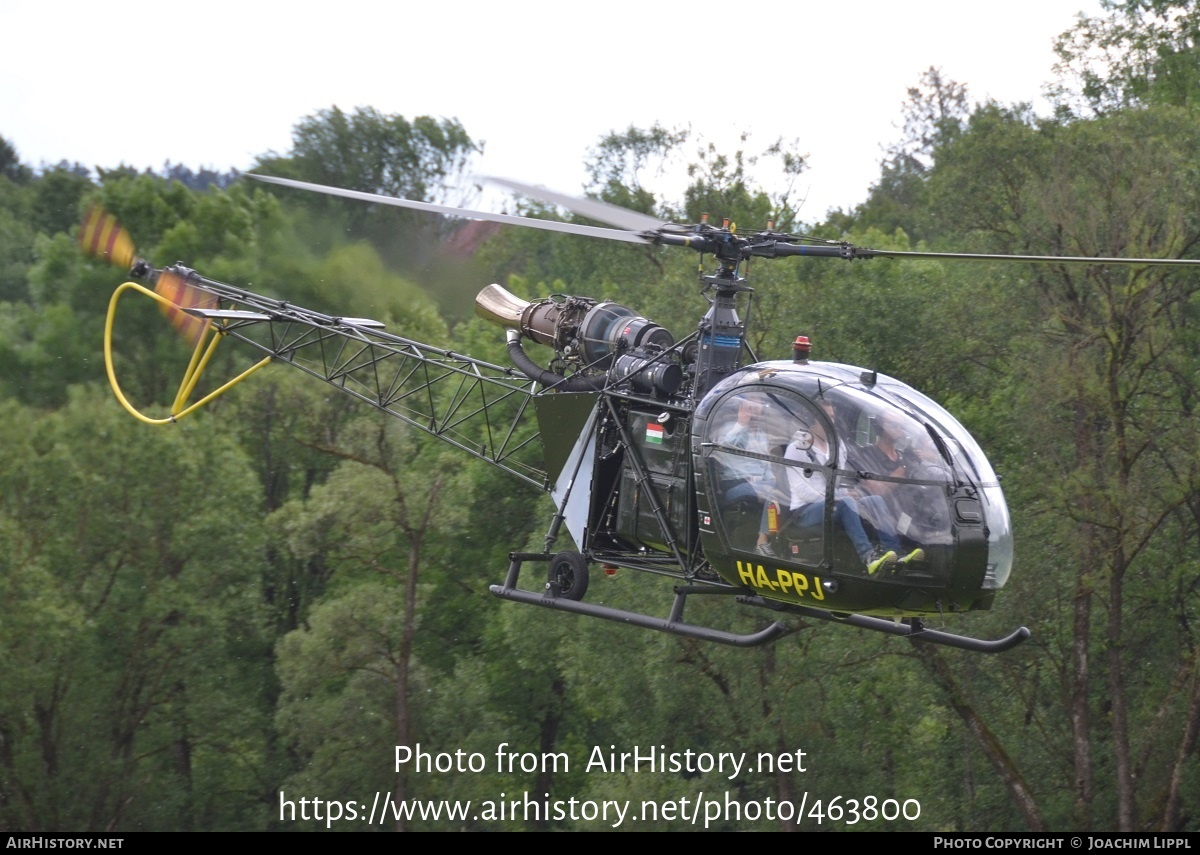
[{"x": 215, "y": 84}]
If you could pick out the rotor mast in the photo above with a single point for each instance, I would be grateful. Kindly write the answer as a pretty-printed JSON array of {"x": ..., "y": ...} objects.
[{"x": 722, "y": 332}]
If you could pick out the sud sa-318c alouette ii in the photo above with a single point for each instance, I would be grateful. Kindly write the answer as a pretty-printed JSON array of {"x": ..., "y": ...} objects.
[{"x": 799, "y": 486}]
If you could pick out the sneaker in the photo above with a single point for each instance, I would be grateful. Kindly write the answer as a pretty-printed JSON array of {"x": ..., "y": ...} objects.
[
  {"x": 915, "y": 555},
  {"x": 764, "y": 548},
  {"x": 878, "y": 558}
]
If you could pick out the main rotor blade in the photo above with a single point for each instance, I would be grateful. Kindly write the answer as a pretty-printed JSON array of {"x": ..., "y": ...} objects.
[
  {"x": 614, "y": 215},
  {"x": 449, "y": 210},
  {"x": 860, "y": 252}
]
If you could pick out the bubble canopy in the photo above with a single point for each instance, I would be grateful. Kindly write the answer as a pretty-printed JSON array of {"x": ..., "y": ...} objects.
[{"x": 825, "y": 466}]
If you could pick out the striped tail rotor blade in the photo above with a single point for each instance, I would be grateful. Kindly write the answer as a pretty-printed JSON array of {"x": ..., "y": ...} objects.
[
  {"x": 102, "y": 236},
  {"x": 184, "y": 296}
]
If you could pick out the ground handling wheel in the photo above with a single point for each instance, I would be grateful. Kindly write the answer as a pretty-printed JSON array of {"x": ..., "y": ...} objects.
[{"x": 568, "y": 576}]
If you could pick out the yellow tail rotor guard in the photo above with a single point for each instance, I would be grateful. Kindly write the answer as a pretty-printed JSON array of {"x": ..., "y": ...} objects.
[{"x": 206, "y": 343}]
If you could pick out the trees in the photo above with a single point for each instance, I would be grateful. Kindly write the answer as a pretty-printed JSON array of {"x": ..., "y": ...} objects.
[
  {"x": 10, "y": 164},
  {"x": 934, "y": 114},
  {"x": 616, "y": 163},
  {"x": 1140, "y": 52},
  {"x": 133, "y": 653},
  {"x": 378, "y": 153},
  {"x": 373, "y": 524},
  {"x": 139, "y": 677},
  {"x": 1107, "y": 414},
  {"x": 422, "y": 159}
]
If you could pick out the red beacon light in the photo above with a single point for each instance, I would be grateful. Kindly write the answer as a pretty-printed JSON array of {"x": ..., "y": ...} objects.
[{"x": 801, "y": 349}]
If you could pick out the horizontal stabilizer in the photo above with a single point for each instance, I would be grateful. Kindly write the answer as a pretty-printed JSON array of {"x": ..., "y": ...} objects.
[{"x": 226, "y": 314}]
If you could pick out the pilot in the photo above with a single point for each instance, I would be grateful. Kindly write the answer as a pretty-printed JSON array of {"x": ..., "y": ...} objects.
[
  {"x": 751, "y": 476},
  {"x": 919, "y": 503},
  {"x": 807, "y": 497}
]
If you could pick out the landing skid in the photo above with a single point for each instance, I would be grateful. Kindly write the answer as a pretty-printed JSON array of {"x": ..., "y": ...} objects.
[
  {"x": 913, "y": 628},
  {"x": 673, "y": 624}
]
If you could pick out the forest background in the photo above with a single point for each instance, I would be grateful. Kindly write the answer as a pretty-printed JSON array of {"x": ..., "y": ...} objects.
[{"x": 270, "y": 596}]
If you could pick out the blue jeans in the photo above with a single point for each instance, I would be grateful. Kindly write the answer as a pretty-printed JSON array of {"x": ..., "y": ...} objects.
[
  {"x": 846, "y": 514},
  {"x": 744, "y": 491}
]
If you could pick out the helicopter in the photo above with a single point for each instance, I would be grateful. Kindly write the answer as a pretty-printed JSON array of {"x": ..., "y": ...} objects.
[{"x": 804, "y": 488}]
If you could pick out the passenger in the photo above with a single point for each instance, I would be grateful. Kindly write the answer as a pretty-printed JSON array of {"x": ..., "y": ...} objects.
[{"x": 807, "y": 490}]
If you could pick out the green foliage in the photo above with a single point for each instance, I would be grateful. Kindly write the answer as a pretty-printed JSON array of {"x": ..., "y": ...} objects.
[
  {"x": 1104, "y": 467},
  {"x": 146, "y": 205},
  {"x": 1140, "y": 52},
  {"x": 615, "y": 165},
  {"x": 16, "y": 240},
  {"x": 423, "y": 159},
  {"x": 58, "y": 193},
  {"x": 935, "y": 114},
  {"x": 134, "y": 706},
  {"x": 11, "y": 167},
  {"x": 338, "y": 676},
  {"x": 721, "y": 186},
  {"x": 369, "y": 523},
  {"x": 378, "y": 153}
]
